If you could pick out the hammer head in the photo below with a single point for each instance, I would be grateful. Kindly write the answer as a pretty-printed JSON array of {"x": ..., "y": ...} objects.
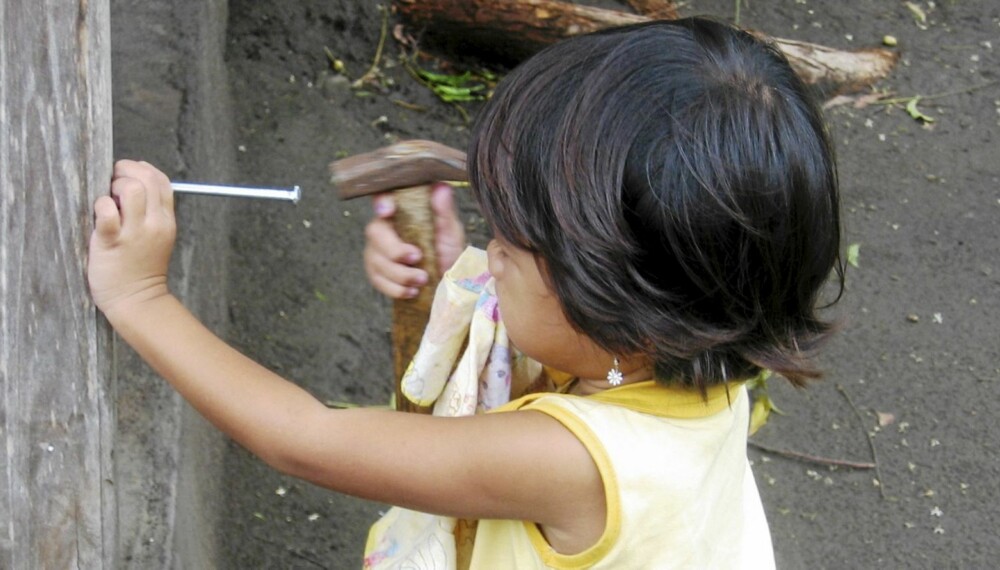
[{"x": 402, "y": 165}]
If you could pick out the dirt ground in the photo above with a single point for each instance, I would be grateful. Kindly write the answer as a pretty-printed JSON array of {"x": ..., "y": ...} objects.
[{"x": 918, "y": 352}]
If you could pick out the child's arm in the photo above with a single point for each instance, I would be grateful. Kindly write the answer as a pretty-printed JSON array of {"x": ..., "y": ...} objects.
[{"x": 519, "y": 465}]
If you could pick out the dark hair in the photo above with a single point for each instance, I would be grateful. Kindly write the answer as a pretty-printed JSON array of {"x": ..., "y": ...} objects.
[{"x": 677, "y": 181}]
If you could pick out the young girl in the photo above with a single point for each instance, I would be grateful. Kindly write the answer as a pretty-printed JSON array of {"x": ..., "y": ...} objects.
[{"x": 665, "y": 207}]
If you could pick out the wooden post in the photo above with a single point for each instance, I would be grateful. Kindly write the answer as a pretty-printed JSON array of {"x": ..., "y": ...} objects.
[{"x": 57, "y": 417}]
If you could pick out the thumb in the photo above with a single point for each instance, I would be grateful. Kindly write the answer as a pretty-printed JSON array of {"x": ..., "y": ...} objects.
[
  {"x": 384, "y": 205},
  {"x": 107, "y": 220},
  {"x": 449, "y": 235}
]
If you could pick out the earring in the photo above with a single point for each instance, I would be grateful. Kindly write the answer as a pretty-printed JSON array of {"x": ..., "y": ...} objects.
[{"x": 615, "y": 376}]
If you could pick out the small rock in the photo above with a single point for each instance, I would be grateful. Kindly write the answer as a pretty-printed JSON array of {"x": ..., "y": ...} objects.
[
  {"x": 913, "y": 318},
  {"x": 381, "y": 123}
]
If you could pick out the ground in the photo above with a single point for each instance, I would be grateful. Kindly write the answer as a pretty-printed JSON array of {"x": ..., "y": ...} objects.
[{"x": 917, "y": 353}]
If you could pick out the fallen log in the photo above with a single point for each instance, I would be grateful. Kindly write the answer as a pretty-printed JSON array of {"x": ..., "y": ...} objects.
[
  {"x": 656, "y": 9},
  {"x": 509, "y": 31}
]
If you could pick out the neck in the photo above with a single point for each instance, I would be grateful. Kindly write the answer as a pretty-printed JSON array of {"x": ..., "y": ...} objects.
[{"x": 588, "y": 386}]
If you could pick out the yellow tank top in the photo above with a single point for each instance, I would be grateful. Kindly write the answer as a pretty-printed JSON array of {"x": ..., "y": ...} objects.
[{"x": 679, "y": 490}]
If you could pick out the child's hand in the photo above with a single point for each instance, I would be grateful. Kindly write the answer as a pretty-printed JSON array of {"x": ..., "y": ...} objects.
[
  {"x": 388, "y": 259},
  {"x": 134, "y": 231}
]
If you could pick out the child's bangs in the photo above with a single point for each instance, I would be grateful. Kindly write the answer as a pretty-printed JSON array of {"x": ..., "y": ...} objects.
[{"x": 503, "y": 199}]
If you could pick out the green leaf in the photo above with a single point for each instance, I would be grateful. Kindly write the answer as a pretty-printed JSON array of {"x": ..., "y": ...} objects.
[
  {"x": 759, "y": 380},
  {"x": 919, "y": 16},
  {"x": 445, "y": 79},
  {"x": 453, "y": 94},
  {"x": 763, "y": 405},
  {"x": 319, "y": 295},
  {"x": 911, "y": 109},
  {"x": 459, "y": 88},
  {"x": 853, "y": 251}
]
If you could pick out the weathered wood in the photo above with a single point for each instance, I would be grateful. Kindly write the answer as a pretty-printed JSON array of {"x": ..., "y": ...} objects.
[
  {"x": 57, "y": 496},
  {"x": 658, "y": 9},
  {"x": 414, "y": 221},
  {"x": 839, "y": 69},
  {"x": 406, "y": 169},
  {"x": 511, "y": 30},
  {"x": 507, "y": 30}
]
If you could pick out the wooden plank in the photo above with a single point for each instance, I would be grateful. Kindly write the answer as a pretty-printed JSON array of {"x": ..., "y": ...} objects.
[{"x": 57, "y": 497}]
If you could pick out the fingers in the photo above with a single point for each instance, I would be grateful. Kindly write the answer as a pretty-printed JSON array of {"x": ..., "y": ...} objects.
[
  {"x": 383, "y": 205},
  {"x": 388, "y": 259},
  {"x": 449, "y": 234},
  {"x": 131, "y": 197},
  {"x": 392, "y": 289},
  {"x": 160, "y": 195},
  {"x": 393, "y": 279},
  {"x": 107, "y": 220},
  {"x": 382, "y": 238}
]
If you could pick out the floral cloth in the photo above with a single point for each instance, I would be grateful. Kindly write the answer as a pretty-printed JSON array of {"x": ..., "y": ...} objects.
[{"x": 464, "y": 365}]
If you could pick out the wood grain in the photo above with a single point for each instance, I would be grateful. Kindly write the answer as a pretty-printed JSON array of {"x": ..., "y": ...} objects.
[
  {"x": 57, "y": 495},
  {"x": 414, "y": 222},
  {"x": 665, "y": 9},
  {"x": 511, "y": 30}
]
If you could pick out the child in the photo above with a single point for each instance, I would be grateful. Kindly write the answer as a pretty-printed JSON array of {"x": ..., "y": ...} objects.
[{"x": 665, "y": 206}]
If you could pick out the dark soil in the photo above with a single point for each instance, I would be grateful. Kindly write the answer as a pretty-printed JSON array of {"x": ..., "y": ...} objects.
[{"x": 920, "y": 314}]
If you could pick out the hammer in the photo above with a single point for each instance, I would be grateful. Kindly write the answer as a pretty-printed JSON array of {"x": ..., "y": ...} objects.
[{"x": 407, "y": 169}]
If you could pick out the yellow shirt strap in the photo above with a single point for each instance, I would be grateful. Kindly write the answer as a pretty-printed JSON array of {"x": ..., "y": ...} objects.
[{"x": 653, "y": 398}]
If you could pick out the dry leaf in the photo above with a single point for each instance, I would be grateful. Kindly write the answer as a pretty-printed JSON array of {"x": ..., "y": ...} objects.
[
  {"x": 838, "y": 101},
  {"x": 856, "y": 101},
  {"x": 862, "y": 101}
]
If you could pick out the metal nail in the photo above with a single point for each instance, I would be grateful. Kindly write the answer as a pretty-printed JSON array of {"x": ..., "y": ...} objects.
[{"x": 290, "y": 194}]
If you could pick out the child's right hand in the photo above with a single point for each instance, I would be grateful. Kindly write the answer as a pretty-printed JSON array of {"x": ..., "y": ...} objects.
[
  {"x": 133, "y": 237},
  {"x": 389, "y": 261}
]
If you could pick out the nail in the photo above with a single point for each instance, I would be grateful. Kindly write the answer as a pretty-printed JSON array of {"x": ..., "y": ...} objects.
[
  {"x": 382, "y": 208},
  {"x": 289, "y": 194}
]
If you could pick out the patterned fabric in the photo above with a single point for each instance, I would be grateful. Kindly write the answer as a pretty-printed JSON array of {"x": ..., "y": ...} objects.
[
  {"x": 680, "y": 493},
  {"x": 464, "y": 366}
]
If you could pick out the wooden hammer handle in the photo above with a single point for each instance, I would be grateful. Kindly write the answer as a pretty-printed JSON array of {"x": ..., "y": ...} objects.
[
  {"x": 414, "y": 221},
  {"x": 399, "y": 169}
]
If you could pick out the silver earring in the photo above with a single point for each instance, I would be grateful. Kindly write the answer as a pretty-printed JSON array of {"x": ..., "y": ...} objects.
[{"x": 615, "y": 376}]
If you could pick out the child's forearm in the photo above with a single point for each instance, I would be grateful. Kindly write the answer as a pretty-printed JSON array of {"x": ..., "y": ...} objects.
[
  {"x": 254, "y": 406},
  {"x": 389, "y": 457}
]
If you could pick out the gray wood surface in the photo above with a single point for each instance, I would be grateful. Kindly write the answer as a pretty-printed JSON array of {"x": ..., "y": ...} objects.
[{"x": 57, "y": 420}]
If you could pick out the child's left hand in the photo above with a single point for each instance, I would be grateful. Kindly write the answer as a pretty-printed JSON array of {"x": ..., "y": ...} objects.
[{"x": 133, "y": 237}]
